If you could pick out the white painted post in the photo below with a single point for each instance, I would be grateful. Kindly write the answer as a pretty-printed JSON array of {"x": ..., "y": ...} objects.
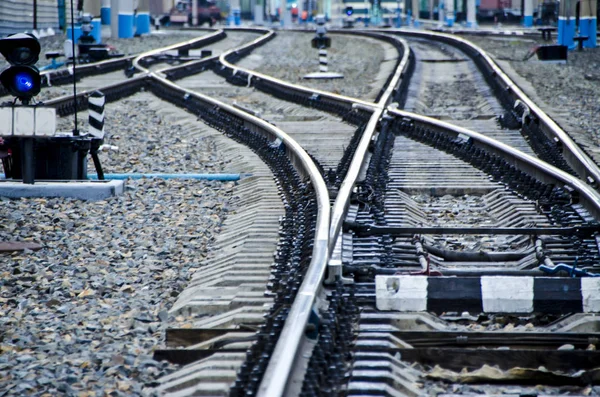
[
  {"x": 259, "y": 15},
  {"x": 194, "y": 12},
  {"x": 142, "y": 22},
  {"x": 105, "y": 12},
  {"x": 431, "y": 10},
  {"x": 114, "y": 19},
  {"x": 415, "y": 12},
  {"x": 449, "y": 13},
  {"x": 471, "y": 18},
  {"x": 528, "y": 13}
]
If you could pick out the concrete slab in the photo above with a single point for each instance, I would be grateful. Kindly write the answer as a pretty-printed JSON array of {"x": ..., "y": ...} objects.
[
  {"x": 324, "y": 75},
  {"x": 82, "y": 190}
]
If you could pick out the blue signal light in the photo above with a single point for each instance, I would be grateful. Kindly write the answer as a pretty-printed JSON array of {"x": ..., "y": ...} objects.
[{"x": 23, "y": 82}]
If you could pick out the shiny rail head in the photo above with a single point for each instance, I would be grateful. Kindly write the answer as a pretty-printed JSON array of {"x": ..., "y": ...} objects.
[{"x": 576, "y": 157}]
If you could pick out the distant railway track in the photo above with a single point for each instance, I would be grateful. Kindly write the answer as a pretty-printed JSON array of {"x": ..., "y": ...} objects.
[{"x": 325, "y": 311}]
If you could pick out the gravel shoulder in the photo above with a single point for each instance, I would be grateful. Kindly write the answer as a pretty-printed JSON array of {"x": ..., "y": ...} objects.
[
  {"x": 567, "y": 92},
  {"x": 82, "y": 316}
]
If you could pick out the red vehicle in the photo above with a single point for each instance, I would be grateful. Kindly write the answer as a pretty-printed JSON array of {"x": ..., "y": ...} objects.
[{"x": 207, "y": 12}]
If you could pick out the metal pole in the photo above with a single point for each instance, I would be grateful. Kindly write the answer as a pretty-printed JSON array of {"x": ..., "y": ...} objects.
[
  {"x": 35, "y": 14},
  {"x": 75, "y": 131},
  {"x": 194, "y": 12},
  {"x": 27, "y": 161}
]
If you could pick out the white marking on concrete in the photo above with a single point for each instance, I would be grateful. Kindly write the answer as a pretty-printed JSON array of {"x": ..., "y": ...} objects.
[
  {"x": 590, "y": 293},
  {"x": 507, "y": 294},
  {"x": 86, "y": 190},
  {"x": 401, "y": 293}
]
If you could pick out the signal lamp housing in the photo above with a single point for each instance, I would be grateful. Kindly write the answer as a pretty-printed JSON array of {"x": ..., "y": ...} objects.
[{"x": 21, "y": 79}]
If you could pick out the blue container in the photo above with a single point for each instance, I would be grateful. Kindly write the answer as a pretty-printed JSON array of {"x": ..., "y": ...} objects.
[
  {"x": 77, "y": 33},
  {"x": 126, "y": 26},
  {"x": 237, "y": 16},
  {"x": 105, "y": 15},
  {"x": 528, "y": 21},
  {"x": 143, "y": 23}
]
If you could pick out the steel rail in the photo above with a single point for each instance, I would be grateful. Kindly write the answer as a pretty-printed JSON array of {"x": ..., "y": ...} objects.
[
  {"x": 196, "y": 42},
  {"x": 303, "y": 303},
  {"x": 342, "y": 201},
  {"x": 276, "y": 379},
  {"x": 575, "y": 156},
  {"x": 313, "y": 280},
  {"x": 95, "y": 68},
  {"x": 589, "y": 197},
  {"x": 136, "y": 81},
  {"x": 204, "y": 63},
  {"x": 253, "y": 75}
]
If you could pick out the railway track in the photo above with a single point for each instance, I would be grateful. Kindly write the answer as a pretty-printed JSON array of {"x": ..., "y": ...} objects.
[{"x": 400, "y": 192}]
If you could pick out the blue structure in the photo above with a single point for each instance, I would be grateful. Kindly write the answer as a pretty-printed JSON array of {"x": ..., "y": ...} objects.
[
  {"x": 143, "y": 23},
  {"x": 528, "y": 13},
  {"x": 566, "y": 30},
  {"x": 237, "y": 16},
  {"x": 126, "y": 21},
  {"x": 105, "y": 12},
  {"x": 97, "y": 30},
  {"x": 449, "y": 8},
  {"x": 587, "y": 27},
  {"x": 77, "y": 33},
  {"x": 587, "y": 22}
]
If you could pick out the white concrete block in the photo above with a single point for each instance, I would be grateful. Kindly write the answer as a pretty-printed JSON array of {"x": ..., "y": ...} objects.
[
  {"x": 6, "y": 121},
  {"x": 507, "y": 294},
  {"x": 45, "y": 121},
  {"x": 401, "y": 293},
  {"x": 590, "y": 293},
  {"x": 24, "y": 121}
]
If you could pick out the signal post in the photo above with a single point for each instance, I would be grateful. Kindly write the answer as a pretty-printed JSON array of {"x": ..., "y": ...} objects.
[
  {"x": 322, "y": 42},
  {"x": 34, "y": 151}
]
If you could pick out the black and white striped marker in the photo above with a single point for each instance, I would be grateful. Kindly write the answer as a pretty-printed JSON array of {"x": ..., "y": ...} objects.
[
  {"x": 96, "y": 103},
  {"x": 322, "y": 60},
  {"x": 488, "y": 294}
]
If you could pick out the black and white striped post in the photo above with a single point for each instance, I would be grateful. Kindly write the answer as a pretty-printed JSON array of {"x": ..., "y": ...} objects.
[
  {"x": 96, "y": 103},
  {"x": 323, "y": 60},
  {"x": 322, "y": 42}
]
